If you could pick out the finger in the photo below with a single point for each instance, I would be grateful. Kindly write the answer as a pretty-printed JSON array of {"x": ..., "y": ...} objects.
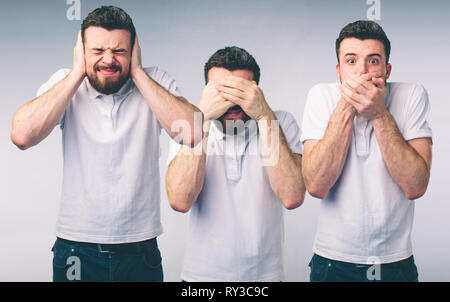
[
  {"x": 363, "y": 79},
  {"x": 345, "y": 91},
  {"x": 379, "y": 82},
  {"x": 236, "y": 100},
  {"x": 233, "y": 91},
  {"x": 357, "y": 85},
  {"x": 235, "y": 82},
  {"x": 356, "y": 105}
]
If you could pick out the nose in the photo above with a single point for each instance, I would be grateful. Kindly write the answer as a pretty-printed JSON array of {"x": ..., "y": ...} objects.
[
  {"x": 361, "y": 67},
  {"x": 108, "y": 57}
]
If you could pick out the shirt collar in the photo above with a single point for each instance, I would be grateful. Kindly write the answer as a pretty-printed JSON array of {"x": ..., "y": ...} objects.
[{"x": 124, "y": 91}]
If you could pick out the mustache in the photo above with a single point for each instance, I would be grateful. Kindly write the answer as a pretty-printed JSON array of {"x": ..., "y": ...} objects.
[
  {"x": 237, "y": 107},
  {"x": 114, "y": 67}
]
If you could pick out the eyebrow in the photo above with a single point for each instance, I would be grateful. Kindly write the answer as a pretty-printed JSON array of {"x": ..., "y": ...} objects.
[
  {"x": 371, "y": 55},
  {"x": 115, "y": 50}
]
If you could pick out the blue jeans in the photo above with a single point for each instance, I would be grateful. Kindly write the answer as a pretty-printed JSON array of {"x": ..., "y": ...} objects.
[
  {"x": 327, "y": 270},
  {"x": 88, "y": 262}
]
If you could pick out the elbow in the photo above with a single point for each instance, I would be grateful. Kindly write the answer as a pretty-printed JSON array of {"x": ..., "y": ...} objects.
[
  {"x": 317, "y": 191},
  {"x": 180, "y": 207},
  {"x": 182, "y": 204},
  {"x": 415, "y": 194},
  {"x": 293, "y": 202},
  {"x": 20, "y": 140}
]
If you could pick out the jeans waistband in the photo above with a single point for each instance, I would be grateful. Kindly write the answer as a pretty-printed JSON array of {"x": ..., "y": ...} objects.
[{"x": 135, "y": 247}]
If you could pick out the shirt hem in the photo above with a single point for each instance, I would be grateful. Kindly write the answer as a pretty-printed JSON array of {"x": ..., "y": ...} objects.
[
  {"x": 108, "y": 239},
  {"x": 372, "y": 259}
]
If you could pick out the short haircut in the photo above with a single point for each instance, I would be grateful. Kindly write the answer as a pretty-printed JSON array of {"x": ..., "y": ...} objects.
[
  {"x": 109, "y": 17},
  {"x": 363, "y": 30},
  {"x": 233, "y": 58}
]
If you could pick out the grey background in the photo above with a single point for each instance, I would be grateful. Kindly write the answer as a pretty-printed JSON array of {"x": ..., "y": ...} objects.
[{"x": 293, "y": 42}]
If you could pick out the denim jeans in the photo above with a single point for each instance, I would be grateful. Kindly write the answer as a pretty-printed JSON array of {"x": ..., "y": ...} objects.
[
  {"x": 327, "y": 270},
  {"x": 77, "y": 261}
]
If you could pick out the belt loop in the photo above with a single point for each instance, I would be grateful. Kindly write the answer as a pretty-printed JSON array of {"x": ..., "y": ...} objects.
[
  {"x": 77, "y": 246},
  {"x": 99, "y": 248},
  {"x": 138, "y": 247}
]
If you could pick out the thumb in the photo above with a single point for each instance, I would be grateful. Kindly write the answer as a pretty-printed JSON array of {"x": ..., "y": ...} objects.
[{"x": 379, "y": 82}]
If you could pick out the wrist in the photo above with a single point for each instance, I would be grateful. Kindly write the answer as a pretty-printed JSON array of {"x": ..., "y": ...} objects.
[
  {"x": 136, "y": 72},
  {"x": 77, "y": 74},
  {"x": 381, "y": 118},
  {"x": 267, "y": 116}
]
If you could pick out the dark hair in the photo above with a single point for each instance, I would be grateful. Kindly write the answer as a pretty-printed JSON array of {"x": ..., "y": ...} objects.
[
  {"x": 363, "y": 30},
  {"x": 233, "y": 58},
  {"x": 109, "y": 17}
]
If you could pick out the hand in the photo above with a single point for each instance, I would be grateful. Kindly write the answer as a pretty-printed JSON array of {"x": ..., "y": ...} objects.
[
  {"x": 79, "y": 66},
  {"x": 212, "y": 104},
  {"x": 136, "y": 58},
  {"x": 367, "y": 94},
  {"x": 246, "y": 94}
]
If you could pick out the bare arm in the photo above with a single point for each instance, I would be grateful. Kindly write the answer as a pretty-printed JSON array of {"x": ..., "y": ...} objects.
[
  {"x": 186, "y": 173},
  {"x": 36, "y": 119},
  {"x": 323, "y": 160},
  {"x": 166, "y": 107},
  {"x": 284, "y": 167},
  {"x": 409, "y": 163},
  {"x": 185, "y": 176}
]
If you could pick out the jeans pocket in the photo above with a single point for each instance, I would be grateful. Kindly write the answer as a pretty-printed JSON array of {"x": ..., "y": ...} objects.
[
  {"x": 408, "y": 271},
  {"x": 60, "y": 255},
  {"x": 152, "y": 257},
  {"x": 319, "y": 270}
]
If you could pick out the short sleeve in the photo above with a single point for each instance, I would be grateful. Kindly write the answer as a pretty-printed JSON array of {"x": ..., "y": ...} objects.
[
  {"x": 174, "y": 148},
  {"x": 291, "y": 131},
  {"x": 165, "y": 80},
  {"x": 317, "y": 113},
  {"x": 417, "y": 112},
  {"x": 54, "y": 79}
]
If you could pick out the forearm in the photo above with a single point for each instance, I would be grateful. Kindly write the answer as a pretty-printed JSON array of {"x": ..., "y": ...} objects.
[
  {"x": 168, "y": 108},
  {"x": 36, "y": 119},
  {"x": 185, "y": 176},
  {"x": 323, "y": 163},
  {"x": 405, "y": 165},
  {"x": 282, "y": 166}
]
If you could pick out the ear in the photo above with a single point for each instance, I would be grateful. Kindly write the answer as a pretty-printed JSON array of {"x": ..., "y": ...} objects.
[
  {"x": 388, "y": 71},
  {"x": 337, "y": 70}
]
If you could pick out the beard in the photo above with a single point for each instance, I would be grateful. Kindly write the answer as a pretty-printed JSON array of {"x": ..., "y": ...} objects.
[
  {"x": 233, "y": 125},
  {"x": 107, "y": 85}
]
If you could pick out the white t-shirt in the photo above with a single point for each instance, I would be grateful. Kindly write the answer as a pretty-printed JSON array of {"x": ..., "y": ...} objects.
[
  {"x": 366, "y": 217},
  {"x": 111, "y": 181},
  {"x": 236, "y": 224}
]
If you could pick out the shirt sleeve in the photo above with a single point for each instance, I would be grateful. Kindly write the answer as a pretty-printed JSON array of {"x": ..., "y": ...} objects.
[
  {"x": 174, "y": 148},
  {"x": 291, "y": 131},
  {"x": 316, "y": 114},
  {"x": 417, "y": 124},
  {"x": 54, "y": 79},
  {"x": 165, "y": 80}
]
